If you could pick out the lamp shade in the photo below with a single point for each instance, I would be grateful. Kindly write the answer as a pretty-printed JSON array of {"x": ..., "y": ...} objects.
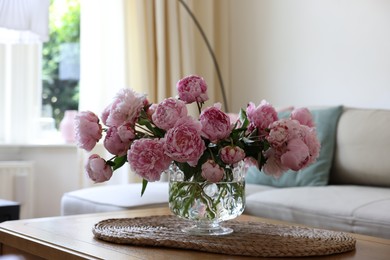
[{"x": 24, "y": 21}]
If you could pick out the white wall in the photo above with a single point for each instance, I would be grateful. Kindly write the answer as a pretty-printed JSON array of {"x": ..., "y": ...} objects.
[
  {"x": 305, "y": 52},
  {"x": 57, "y": 170}
]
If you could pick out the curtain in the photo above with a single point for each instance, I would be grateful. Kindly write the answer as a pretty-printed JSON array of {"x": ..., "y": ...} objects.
[
  {"x": 20, "y": 96},
  {"x": 102, "y": 67},
  {"x": 23, "y": 28},
  {"x": 148, "y": 45},
  {"x": 24, "y": 21},
  {"x": 164, "y": 45}
]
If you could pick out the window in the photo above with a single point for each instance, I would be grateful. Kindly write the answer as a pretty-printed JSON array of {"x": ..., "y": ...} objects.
[
  {"x": 61, "y": 62},
  {"x": 39, "y": 82}
]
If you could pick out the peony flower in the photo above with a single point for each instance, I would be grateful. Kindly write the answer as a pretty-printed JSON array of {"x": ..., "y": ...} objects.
[
  {"x": 273, "y": 166},
  {"x": 281, "y": 131},
  {"x": 125, "y": 109},
  {"x": 234, "y": 117},
  {"x": 192, "y": 89},
  {"x": 114, "y": 144},
  {"x": 168, "y": 112},
  {"x": 147, "y": 158},
  {"x": 212, "y": 172},
  {"x": 234, "y": 120},
  {"x": 88, "y": 130},
  {"x": 215, "y": 123},
  {"x": 183, "y": 142},
  {"x": 303, "y": 116},
  {"x": 231, "y": 154},
  {"x": 150, "y": 111},
  {"x": 97, "y": 169},
  {"x": 261, "y": 116},
  {"x": 294, "y": 146},
  {"x": 297, "y": 155},
  {"x": 312, "y": 142},
  {"x": 126, "y": 133},
  {"x": 249, "y": 162}
]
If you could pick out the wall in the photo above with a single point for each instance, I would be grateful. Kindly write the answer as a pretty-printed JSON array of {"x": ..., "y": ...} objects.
[
  {"x": 305, "y": 52},
  {"x": 57, "y": 170}
]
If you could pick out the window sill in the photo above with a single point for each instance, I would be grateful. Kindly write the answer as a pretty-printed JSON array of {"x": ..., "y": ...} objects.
[{"x": 34, "y": 145}]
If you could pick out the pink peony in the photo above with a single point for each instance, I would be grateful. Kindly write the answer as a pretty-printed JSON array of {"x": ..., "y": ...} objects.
[
  {"x": 114, "y": 144},
  {"x": 262, "y": 116},
  {"x": 215, "y": 124},
  {"x": 192, "y": 89},
  {"x": 303, "y": 116},
  {"x": 311, "y": 140},
  {"x": 88, "y": 130},
  {"x": 125, "y": 109},
  {"x": 231, "y": 154},
  {"x": 234, "y": 120},
  {"x": 297, "y": 155},
  {"x": 126, "y": 133},
  {"x": 249, "y": 162},
  {"x": 281, "y": 131},
  {"x": 183, "y": 142},
  {"x": 273, "y": 166},
  {"x": 168, "y": 112},
  {"x": 212, "y": 172},
  {"x": 234, "y": 117},
  {"x": 147, "y": 158},
  {"x": 97, "y": 169},
  {"x": 150, "y": 111},
  {"x": 293, "y": 146}
]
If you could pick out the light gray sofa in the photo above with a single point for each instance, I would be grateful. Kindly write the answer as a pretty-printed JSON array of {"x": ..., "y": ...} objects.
[{"x": 348, "y": 189}]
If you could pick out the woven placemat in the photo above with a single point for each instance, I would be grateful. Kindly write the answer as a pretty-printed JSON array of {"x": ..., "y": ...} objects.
[{"x": 249, "y": 238}]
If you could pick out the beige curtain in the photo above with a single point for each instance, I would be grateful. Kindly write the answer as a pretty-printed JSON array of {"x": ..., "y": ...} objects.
[{"x": 164, "y": 45}]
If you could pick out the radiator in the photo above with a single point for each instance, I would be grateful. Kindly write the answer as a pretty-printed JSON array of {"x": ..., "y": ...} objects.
[{"x": 16, "y": 184}]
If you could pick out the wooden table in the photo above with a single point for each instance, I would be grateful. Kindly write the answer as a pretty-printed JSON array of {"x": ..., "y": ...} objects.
[{"x": 71, "y": 237}]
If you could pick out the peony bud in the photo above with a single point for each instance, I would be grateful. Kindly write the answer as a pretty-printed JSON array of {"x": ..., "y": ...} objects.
[{"x": 212, "y": 172}]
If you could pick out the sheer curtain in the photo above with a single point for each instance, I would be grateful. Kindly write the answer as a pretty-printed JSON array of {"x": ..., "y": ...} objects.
[
  {"x": 148, "y": 45},
  {"x": 23, "y": 28},
  {"x": 24, "y": 21}
]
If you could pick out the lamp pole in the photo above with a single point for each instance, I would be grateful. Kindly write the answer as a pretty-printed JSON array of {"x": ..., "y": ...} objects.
[{"x": 210, "y": 51}]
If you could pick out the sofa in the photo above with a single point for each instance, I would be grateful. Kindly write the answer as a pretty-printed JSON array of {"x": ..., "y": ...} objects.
[{"x": 347, "y": 189}]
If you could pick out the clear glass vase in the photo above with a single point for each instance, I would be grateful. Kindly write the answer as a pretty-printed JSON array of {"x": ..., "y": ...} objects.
[{"x": 206, "y": 204}]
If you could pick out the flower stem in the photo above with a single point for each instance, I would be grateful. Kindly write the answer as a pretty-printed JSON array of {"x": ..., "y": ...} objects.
[
  {"x": 144, "y": 129},
  {"x": 199, "y": 107}
]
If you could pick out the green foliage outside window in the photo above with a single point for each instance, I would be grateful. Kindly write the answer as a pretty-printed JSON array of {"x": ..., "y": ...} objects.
[{"x": 59, "y": 92}]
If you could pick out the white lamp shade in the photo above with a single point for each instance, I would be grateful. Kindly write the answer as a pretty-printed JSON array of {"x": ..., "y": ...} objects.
[{"x": 24, "y": 20}]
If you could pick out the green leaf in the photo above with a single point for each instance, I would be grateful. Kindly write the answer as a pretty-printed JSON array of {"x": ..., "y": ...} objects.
[
  {"x": 119, "y": 162},
  {"x": 144, "y": 184},
  {"x": 155, "y": 130},
  {"x": 243, "y": 118}
]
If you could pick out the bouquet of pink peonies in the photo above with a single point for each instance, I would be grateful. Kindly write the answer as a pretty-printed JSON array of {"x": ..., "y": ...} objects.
[{"x": 150, "y": 137}]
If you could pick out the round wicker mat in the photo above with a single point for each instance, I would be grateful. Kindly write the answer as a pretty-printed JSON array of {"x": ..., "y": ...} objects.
[{"x": 248, "y": 238}]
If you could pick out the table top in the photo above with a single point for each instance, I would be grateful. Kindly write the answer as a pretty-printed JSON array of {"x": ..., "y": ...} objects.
[{"x": 71, "y": 237}]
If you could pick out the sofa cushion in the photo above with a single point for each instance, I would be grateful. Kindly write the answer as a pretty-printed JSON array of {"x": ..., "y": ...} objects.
[
  {"x": 114, "y": 198},
  {"x": 356, "y": 209},
  {"x": 316, "y": 174},
  {"x": 363, "y": 148}
]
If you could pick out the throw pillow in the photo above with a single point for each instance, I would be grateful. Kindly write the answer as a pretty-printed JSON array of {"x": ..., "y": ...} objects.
[{"x": 317, "y": 174}]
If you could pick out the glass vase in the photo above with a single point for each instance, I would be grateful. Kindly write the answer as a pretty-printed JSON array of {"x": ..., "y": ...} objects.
[{"x": 205, "y": 204}]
